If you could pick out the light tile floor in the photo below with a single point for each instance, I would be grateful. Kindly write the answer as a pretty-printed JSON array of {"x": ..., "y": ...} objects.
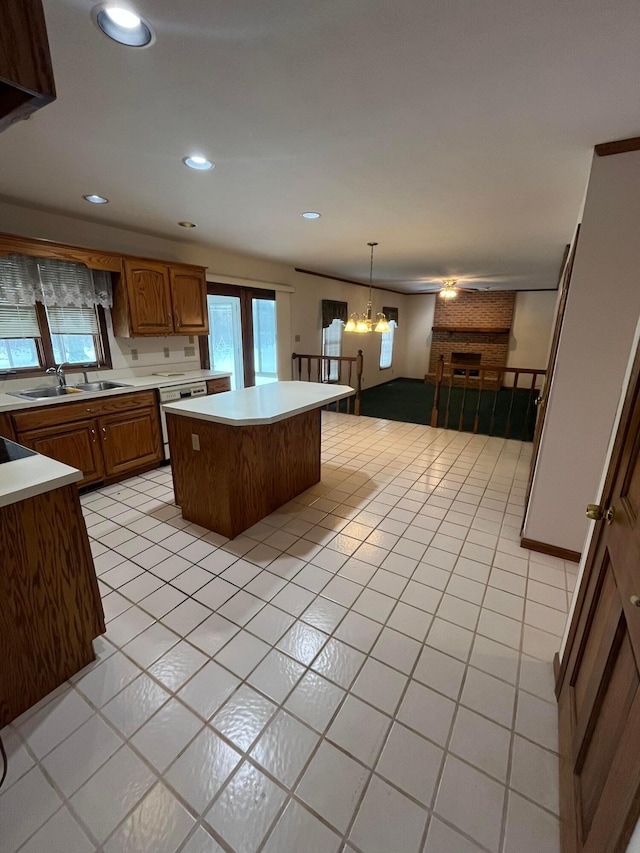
[{"x": 369, "y": 669}]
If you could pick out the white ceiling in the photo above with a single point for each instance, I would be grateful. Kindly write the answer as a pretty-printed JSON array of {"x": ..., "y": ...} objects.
[{"x": 457, "y": 134}]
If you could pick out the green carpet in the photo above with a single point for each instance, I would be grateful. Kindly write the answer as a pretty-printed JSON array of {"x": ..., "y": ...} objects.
[{"x": 411, "y": 400}]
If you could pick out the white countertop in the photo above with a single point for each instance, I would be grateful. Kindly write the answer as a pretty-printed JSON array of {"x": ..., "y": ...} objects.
[
  {"x": 33, "y": 475},
  {"x": 9, "y": 403},
  {"x": 262, "y": 404}
]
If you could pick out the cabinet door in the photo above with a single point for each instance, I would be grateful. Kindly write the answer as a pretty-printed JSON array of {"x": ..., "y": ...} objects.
[
  {"x": 130, "y": 441},
  {"x": 149, "y": 298},
  {"x": 218, "y": 386},
  {"x": 189, "y": 299},
  {"x": 74, "y": 444}
]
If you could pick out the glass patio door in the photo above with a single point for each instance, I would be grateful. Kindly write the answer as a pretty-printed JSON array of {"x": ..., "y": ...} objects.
[
  {"x": 242, "y": 336},
  {"x": 225, "y": 338}
]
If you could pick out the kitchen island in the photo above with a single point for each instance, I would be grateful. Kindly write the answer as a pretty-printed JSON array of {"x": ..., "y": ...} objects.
[
  {"x": 50, "y": 608},
  {"x": 236, "y": 457}
]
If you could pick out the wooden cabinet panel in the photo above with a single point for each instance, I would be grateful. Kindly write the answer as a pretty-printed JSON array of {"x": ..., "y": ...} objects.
[
  {"x": 6, "y": 427},
  {"x": 218, "y": 386},
  {"x": 149, "y": 298},
  {"x": 26, "y": 74},
  {"x": 130, "y": 442},
  {"x": 64, "y": 413},
  {"x": 51, "y": 608},
  {"x": 74, "y": 444},
  {"x": 189, "y": 300}
]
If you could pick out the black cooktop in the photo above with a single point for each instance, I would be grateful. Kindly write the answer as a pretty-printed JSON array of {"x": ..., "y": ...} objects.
[{"x": 10, "y": 451}]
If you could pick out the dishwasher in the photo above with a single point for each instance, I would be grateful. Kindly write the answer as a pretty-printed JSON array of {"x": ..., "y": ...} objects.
[{"x": 170, "y": 395}]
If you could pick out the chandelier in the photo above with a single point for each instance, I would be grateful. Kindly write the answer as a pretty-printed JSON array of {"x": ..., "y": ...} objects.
[
  {"x": 364, "y": 322},
  {"x": 448, "y": 289}
]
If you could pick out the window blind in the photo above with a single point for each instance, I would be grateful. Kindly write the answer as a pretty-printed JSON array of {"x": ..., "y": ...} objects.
[
  {"x": 386, "y": 346},
  {"x": 72, "y": 321},
  {"x": 18, "y": 321}
]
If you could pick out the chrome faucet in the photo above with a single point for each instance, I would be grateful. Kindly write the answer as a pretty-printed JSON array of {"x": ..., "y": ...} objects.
[{"x": 59, "y": 372}]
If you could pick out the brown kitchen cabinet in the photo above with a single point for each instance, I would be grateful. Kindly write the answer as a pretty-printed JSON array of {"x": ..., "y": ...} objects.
[
  {"x": 105, "y": 439},
  {"x": 75, "y": 444},
  {"x": 217, "y": 386},
  {"x": 152, "y": 298},
  {"x": 149, "y": 297},
  {"x": 130, "y": 442},
  {"x": 189, "y": 300}
]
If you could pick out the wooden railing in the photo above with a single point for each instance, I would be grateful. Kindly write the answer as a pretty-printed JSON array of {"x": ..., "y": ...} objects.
[
  {"x": 489, "y": 380},
  {"x": 342, "y": 370}
]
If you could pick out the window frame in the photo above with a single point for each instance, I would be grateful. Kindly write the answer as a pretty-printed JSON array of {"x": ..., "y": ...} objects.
[{"x": 44, "y": 348}]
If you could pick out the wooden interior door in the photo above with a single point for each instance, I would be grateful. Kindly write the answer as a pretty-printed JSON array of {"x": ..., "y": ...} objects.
[
  {"x": 599, "y": 680},
  {"x": 189, "y": 300},
  {"x": 75, "y": 444},
  {"x": 541, "y": 402},
  {"x": 149, "y": 298},
  {"x": 130, "y": 441}
]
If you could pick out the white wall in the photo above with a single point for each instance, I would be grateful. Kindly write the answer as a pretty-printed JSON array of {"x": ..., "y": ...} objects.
[
  {"x": 600, "y": 320},
  {"x": 417, "y": 334},
  {"x": 531, "y": 328},
  {"x": 307, "y": 324}
]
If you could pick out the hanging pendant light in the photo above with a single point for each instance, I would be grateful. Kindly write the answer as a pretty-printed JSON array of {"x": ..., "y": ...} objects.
[{"x": 363, "y": 323}]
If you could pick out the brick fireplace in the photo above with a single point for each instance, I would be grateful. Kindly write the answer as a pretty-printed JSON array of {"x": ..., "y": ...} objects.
[{"x": 474, "y": 323}]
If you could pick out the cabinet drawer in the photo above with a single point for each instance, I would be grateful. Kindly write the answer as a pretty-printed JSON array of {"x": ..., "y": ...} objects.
[
  {"x": 66, "y": 413},
  {"x": 217, "y": 386}
]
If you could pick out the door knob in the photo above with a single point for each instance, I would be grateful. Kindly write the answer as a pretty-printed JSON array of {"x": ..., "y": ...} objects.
[
  {"x": 538, "y": 401},
  {"x": 595, "y": 513},
  {"x": 635, "y": 600}
]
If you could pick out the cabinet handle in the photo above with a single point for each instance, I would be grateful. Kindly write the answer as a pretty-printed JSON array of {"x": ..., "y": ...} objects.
[
  {"x": 177, "y": 319},
  {"x": 93, "y": 433},
  {"x": 104, "y": 433}
]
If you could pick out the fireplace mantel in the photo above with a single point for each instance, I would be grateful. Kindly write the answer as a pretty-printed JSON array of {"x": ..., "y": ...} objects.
[{"x": 475, "y": 330}]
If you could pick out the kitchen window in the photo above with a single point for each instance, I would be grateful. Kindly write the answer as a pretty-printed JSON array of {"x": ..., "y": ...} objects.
[{"x": 52, "y": 312}]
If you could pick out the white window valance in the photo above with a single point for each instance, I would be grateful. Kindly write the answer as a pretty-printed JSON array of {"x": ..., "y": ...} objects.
[
  {"x": 68, "y": 285},
  {"x": 19, "y": 283},
  {"x": 62, "y": 284}
]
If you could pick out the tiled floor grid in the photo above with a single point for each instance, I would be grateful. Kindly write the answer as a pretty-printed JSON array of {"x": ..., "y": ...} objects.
[{"x": 369, "y": 669}]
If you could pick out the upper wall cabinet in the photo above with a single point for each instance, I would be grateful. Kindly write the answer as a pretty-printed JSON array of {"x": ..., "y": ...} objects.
[
  {"x": 26, "y": 75},
  {"x": 189, "y": 300},
  {"x": 155, "y": 299}
]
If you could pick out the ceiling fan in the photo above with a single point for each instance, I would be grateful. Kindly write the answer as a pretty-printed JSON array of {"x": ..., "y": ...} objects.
[{"x": 450, "y": 288}]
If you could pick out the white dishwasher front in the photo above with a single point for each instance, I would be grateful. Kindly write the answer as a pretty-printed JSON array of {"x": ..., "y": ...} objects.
[{"x": 171, "y": 395}]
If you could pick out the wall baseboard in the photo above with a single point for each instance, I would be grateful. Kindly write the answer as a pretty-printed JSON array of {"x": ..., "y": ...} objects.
[{"x": 552, "y": 550}]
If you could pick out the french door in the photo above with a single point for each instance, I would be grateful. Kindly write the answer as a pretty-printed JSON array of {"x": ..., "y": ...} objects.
[
  {"x": 242, "y": 337},
  {"x": 598, "y": 683}
]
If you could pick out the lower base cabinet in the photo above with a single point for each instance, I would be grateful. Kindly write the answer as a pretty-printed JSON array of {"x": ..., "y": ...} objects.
[
  {"x": 106, "y": 440},
  {"x": 74, "y": 444}
]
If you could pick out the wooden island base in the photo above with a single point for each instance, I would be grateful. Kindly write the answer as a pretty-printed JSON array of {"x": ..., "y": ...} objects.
[{"x": 241, "y": 474}]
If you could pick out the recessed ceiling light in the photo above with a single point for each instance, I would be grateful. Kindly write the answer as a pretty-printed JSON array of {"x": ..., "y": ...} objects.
[
  {"x": 96, "y": 199},
  {"x": 186, "y": 224},
  {"x": 198, "y": 162},
  {"x": 123, "y": 25},
  {"x": 310, "y": 214}
]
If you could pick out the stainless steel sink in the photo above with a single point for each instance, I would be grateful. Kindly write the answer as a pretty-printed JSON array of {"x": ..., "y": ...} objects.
[
  {"x": 105, "y": 385},
  {"x": 44, "y": 393},
  {"x": 57, "y": 391}
]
